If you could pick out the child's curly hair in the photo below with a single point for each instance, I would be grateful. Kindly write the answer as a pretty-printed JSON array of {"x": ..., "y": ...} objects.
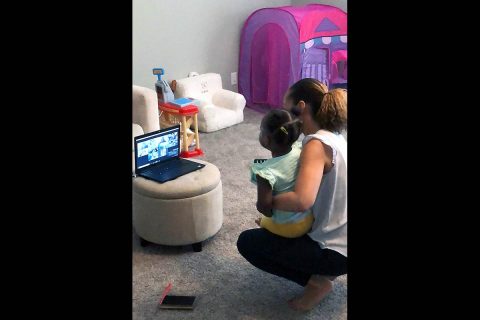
[
  {"x": 281, "y": 126},
  {"x": 329, "y": 108}
]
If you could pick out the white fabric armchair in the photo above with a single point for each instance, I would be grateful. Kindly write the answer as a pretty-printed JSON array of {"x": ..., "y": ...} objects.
[
  {"x": 218, "y": 108},
  {"x": 145, "y": 109},
  {"x": 144, "y": 113}
]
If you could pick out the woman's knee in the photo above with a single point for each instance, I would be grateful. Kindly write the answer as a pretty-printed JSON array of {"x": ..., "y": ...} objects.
[
  {"x": 249, "y": 240},
  {"x": 245, "y": 241}
]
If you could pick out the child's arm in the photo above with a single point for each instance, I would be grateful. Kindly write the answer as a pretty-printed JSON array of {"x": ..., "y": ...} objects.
[{"x": 264, "y": 196}]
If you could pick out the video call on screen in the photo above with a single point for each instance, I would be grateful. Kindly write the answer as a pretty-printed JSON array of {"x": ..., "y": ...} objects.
[{"x": 157, "y": 148}]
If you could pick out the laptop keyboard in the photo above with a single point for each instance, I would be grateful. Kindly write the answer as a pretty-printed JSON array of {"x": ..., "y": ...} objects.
[
  {"x": 158, "y": 171},
  {"x": 171, "y": 169}
]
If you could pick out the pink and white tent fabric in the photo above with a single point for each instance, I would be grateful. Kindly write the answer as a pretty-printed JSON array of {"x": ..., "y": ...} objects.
[{"x": 280, "y": 46}]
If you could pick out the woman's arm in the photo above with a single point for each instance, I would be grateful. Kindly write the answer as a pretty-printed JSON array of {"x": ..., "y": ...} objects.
[
  {"x": 264, "y": 196},
  {"x": 312, "y": 164}
]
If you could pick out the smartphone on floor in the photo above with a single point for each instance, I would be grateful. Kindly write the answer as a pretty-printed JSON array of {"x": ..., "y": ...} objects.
[{"x": 178, "y": 302}]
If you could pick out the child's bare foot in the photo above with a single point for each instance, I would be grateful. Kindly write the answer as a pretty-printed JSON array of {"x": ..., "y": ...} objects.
[
  {"x": 257, "y": 221},
  {"x": 315, "y": 290}
]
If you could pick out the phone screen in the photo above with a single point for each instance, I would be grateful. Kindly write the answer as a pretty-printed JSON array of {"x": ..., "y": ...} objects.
[{"x": 178, "y": 302}]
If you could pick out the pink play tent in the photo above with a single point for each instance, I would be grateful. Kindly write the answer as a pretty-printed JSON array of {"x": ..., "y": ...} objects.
[{"x": 280, "y": 46}]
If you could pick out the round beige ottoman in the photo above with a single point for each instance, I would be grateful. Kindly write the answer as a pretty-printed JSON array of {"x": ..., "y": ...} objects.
[{"x": 187, "y": 210}]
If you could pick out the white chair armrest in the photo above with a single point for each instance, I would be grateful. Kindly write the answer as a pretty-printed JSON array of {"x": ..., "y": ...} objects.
[
  {"x": 136, "y": 131},
  {"x": 229, "y": 99},
  {"x": 202, "y": 105},
  {"x": 145, "y": 108}
]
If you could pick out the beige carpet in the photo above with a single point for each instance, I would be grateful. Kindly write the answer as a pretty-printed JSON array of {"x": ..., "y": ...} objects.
[{"x": 226, "y": 285}]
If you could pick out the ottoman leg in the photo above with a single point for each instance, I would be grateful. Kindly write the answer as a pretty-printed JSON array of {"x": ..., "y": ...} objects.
[
  {"x": 144, "y": 242},
  {"x": 197, "y": 247}
]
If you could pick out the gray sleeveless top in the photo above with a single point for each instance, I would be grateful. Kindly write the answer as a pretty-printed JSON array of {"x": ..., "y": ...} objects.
[{"x": 330, "y": 208}]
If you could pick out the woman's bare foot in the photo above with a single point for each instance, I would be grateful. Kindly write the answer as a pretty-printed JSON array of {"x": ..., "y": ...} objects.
[{"x": 315, "y": 290}]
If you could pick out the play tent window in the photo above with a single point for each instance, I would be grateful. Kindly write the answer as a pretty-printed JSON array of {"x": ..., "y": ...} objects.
[{"x": 315, "y": 64}]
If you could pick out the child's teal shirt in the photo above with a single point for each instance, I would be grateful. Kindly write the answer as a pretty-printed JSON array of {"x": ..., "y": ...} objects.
[{"x": 281, "y": 172}]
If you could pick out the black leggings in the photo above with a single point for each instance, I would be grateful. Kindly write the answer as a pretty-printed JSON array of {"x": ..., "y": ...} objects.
[{"x": 294, "y": 259}]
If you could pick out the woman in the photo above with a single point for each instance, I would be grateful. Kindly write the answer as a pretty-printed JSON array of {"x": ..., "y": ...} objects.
[{"x": 317, "y": 258}]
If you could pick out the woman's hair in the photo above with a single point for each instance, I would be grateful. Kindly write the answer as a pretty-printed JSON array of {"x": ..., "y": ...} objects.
[
  {"x": 329, "y": 108},
  {"x": 281, "y": 127}
]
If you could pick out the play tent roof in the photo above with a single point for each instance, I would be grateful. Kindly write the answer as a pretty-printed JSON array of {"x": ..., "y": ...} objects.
[{"x": 316, "y": 20}]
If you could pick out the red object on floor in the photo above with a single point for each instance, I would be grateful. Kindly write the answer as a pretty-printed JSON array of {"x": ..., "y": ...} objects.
[{"x": 165, "y": 292}]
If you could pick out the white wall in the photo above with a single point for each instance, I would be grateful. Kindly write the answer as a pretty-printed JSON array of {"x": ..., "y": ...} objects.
[
  {"x": 342, "y": 4},
  {"x": 189, "y": 35}
]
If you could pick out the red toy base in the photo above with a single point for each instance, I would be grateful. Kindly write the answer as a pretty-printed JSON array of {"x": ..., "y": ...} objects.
[{"x": 189, "y": 154}]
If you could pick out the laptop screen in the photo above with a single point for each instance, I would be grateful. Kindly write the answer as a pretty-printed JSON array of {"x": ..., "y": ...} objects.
[{"x": 157, "y": 146}]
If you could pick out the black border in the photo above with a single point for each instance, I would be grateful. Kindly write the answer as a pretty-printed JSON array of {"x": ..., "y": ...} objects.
[
  {"x": 71, "y": 223},
  {"x": 401, "y": 125}
]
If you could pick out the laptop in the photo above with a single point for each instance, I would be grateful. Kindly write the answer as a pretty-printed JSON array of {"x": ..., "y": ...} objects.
[{"x": 157, "y": 156}]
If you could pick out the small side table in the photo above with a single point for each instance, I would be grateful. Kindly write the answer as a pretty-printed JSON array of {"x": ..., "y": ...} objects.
[{"x": 171, "y": 114}]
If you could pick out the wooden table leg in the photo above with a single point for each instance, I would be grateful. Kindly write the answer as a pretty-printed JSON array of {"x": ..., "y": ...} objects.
[
  {"x": 197, "y": 139},
  {"x": 185, "y": 142}
]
